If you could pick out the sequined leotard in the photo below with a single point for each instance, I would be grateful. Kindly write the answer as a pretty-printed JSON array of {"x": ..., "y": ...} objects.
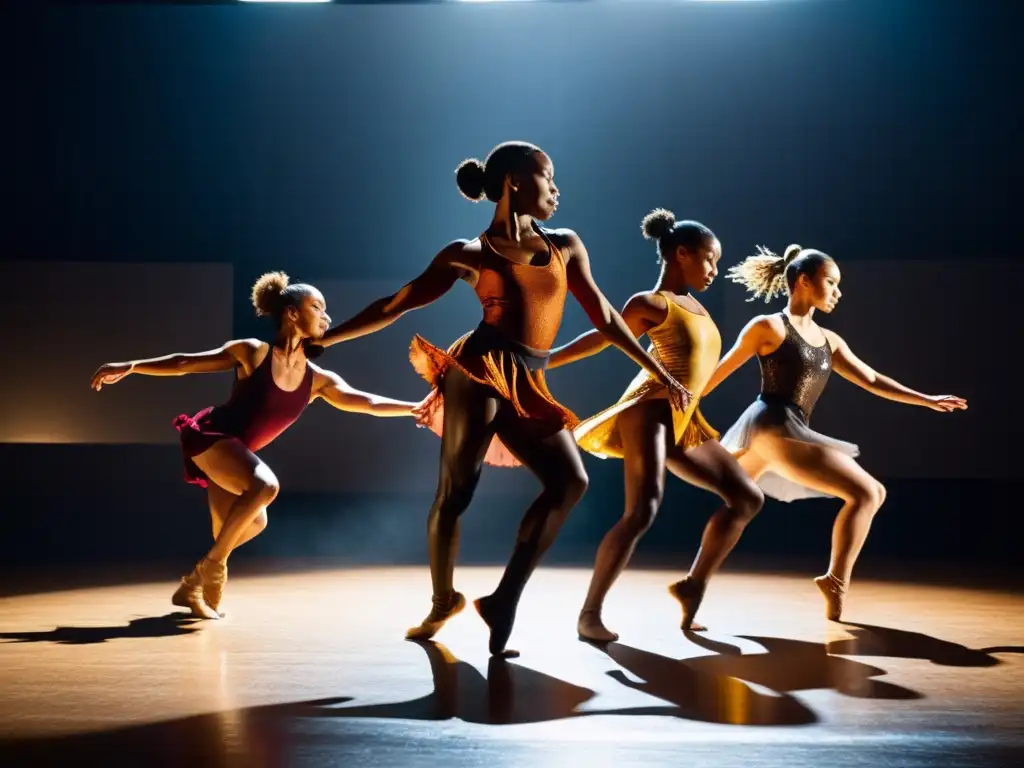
[
  {"x": 796, "y": 372},
  {"x": 792, "y": 379}
]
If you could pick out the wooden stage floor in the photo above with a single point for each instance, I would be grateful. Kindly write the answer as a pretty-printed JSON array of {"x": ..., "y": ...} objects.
[{"x": 310, "y": 669}]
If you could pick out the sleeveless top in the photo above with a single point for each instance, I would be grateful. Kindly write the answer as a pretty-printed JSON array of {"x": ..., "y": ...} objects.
[
  {"x": 688, "y": 344},
  {"x": 259, "y": 410},
  {"x": 796, "y": 372},
  {"x": 523, "y": 301}
]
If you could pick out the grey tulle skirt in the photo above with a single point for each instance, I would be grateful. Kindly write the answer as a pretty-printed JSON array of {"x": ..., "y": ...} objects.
[{"x": 786, "y": 420}]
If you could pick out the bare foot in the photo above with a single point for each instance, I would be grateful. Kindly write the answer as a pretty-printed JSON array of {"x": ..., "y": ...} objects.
[
  {"x": 689, "y": 594},
  {"x": 591, "y": 629},
  {"x": 444, "y": 609}
]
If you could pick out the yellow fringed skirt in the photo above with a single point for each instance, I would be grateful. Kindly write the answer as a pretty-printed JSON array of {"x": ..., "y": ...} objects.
[
  {"x": 599, "y": 435},
  {"x": 498, "y": 366}
]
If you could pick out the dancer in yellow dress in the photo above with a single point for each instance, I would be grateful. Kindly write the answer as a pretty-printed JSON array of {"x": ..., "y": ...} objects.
[{"x": 650, "y": 434}]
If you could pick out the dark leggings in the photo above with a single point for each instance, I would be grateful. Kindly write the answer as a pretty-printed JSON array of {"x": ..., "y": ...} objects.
[{"x": 473, "y": 414}]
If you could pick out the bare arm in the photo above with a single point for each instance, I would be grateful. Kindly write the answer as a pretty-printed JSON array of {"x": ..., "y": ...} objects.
[
  {"x": 435, "y": 281},
  {"x": 642, "y": 312},
  {"x": 337, "y": 392},
  {"x": 751, "y": 339},
  {"x": 856, "y": 371},
  {"x": 224, "y": 358},
  {"x": 602, "y": 314}
]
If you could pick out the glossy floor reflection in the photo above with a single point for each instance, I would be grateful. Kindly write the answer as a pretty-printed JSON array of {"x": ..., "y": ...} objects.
[{"x": 310, "y": 669}]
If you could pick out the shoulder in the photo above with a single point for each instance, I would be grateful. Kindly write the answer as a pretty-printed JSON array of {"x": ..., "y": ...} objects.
[
  {"x": 248, "y": 352},
  {"x": 766, "y": 327},
  {"x": 459, "y": 255},
  {"x": 566, "y": 240},
  {"x": 650, "y": 305},
  {"x": 647, "y": 300},
  {"x": 323, "y": 378},
  {"x": 835, "y": 341}
]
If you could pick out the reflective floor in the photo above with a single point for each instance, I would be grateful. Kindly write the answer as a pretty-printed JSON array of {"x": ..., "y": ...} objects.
[{"x": 310, "y": 669}]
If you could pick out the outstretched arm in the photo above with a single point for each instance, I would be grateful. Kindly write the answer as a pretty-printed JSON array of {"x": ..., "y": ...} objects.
[
  {"x": 855, "y": 370},
  {"x": 602, "y": 314},
  {"x": 224, "y": 358},
  {"x": 750, "y": 340},
  {"x": 642, "y": 312},
  {"x": 435, "y": 281},
  {"x": 337, "y": 392}
]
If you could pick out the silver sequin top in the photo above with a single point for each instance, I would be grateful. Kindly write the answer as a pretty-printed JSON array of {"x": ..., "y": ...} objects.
[{"x": 797, "y": 371}]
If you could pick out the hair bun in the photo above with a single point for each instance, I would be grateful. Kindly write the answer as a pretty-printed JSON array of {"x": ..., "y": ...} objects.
[
  {"x": 791, "y": 252},
  {"x": 658, "y": 223},
  {"x": 470, "y": 178},
  {"x": 266, "y": 293}
]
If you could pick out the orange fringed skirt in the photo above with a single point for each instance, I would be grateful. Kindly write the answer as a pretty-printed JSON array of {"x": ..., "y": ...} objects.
[{"x": 483, "y": 358}]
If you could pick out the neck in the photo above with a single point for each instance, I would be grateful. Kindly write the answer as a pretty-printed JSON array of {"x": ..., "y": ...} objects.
[
  {"x": 798, "y": 308},
  {"x": 289, "y": 341},
  {"x": 670, "y": 280},
  {"x": 512, "y": 225}
]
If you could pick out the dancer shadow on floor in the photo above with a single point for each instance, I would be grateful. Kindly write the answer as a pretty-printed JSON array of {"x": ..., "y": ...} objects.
[
  {"x": 869, "y": 640},
  {"x": 509, "y": 694},
  {"x": 168, "y": 625},
  {"x": 715, "y": 688},
  {"x": 513, "y": 694}
]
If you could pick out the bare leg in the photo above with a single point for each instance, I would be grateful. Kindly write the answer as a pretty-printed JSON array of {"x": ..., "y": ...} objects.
[
  {"x": 220, "y": 502},
  {"x": 557, "y": 463},
  {"x": 645, "y": 430},
  {"x": 238, "y": 471},
  {"x": 712, "y": 467},
  {"x": 469, "y": 411},
  {"x": 829, "y": 471}
]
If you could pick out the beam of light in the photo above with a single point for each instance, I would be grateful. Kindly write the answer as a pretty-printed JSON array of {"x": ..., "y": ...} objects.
[{"x": 285, "y": 1}]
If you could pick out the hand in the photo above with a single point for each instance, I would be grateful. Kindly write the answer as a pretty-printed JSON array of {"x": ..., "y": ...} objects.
[
  {"x": 946, "y": 403},
  {"x": 678, "y": 395},
  {"x": 111, "y": 373}
]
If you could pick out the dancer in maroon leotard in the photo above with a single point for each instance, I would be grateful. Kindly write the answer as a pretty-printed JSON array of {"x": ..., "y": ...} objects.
[{"x": 274, "y": 384}]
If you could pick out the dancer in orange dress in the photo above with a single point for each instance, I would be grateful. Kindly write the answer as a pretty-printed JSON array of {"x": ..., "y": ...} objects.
[
  {"x": 273, "y": 385},
  {"x": 490, "y": 401},
  {"x": 651, "y": 433}
]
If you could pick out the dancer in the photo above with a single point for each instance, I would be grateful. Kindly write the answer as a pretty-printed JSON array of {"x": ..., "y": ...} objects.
[
  {"x": 489, "y": 401},
  {"x": 772, "y": 439},
  {"x": 274, "y": 384},
  {"x": 649, "y": 433}
]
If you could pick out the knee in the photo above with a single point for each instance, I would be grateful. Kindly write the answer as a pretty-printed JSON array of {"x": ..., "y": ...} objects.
[
  {"x": 746, "y": 501},
  {"x": 265, "y": 486},
  {"x": 641, "y": 517},
  {"x": 454, "y": 494},
  {"x": 260, "y": 523},
  {"x": 570, "y": 489},
  {"x": 868, "y": 496}
]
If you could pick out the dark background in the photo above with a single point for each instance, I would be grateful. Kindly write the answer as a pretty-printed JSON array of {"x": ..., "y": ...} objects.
[{"x": 158, "y": 159}]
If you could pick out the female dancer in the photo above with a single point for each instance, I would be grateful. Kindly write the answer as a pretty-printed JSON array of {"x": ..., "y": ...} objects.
[
  {"x": 274, "y": 384},
  {"x": 649, "y": 433},
  {"x": 496, "y": 404},
  {"x": 772, "y": 439}
]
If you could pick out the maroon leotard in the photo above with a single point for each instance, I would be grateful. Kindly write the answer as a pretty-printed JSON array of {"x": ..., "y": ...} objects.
[{"x": 256, "y": 413}]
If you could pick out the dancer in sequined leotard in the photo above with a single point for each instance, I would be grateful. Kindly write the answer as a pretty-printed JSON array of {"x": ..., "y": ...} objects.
[
  {"x": 648, "y": 434},
  {"x": 772, "y": 439},
  {"x": 274, "y": 384},
  {"x": 489, "y": 398}
]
